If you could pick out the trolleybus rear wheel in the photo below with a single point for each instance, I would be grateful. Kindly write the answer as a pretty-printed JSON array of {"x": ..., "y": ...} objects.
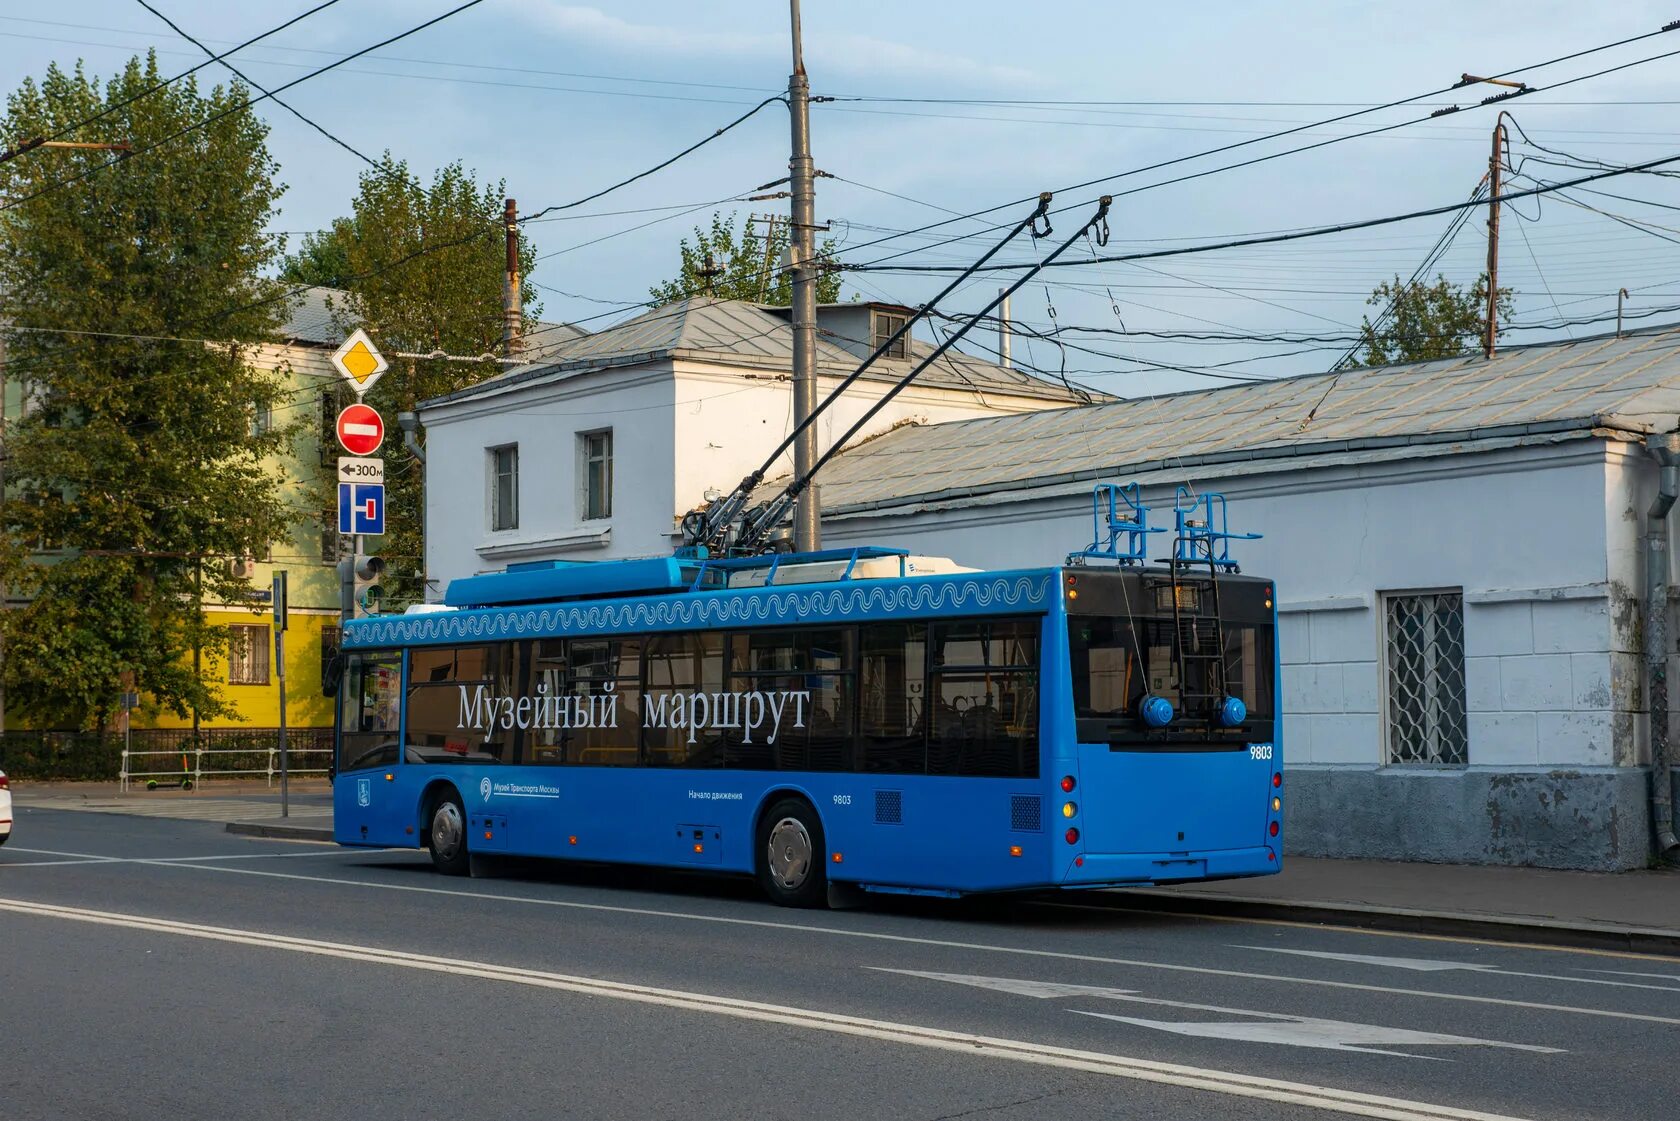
[
  {"x": 790, "y": 855},
  {"x": 446, "y": 835}
]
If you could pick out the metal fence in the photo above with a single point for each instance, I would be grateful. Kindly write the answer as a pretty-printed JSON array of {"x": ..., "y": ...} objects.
[{"x": 164, "y": 756}]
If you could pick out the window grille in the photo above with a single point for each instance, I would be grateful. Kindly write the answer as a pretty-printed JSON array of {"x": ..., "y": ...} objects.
[
  {"x": 1427, "y": 722},
  {"x": 247, "y": 654},
  {"x": 504, "y": 496}
]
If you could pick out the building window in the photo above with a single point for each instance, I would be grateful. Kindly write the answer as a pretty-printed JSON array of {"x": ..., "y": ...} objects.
[
  {"x": 884, "y": 325},
  {"x": 597, "y": 452},
  {"x": 248, "y": 654},
  {"x": 504, "y": 487},
  {"x": 1427, "y": 720}
]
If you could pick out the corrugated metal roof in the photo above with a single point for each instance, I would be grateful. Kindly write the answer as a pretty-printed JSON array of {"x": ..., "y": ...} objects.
[
  {"x": 311, "y": 319},
  {"x": 1632, "y": 383},
  {"x": 734, "y": 332}
]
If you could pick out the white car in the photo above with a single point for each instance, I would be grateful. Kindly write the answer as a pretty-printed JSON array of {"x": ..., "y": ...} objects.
[{"x": 5, "y": 808}]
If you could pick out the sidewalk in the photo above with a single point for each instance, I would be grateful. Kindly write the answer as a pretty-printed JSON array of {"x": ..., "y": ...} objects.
[
  {"x": 1626, "y": 911},
  {"x": 250, "y": 807}
]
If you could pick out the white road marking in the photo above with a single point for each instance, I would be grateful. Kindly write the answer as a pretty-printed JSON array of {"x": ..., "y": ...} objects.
[
  {"x": 879, "y": 936},
  {"x": 1096, "y": 1062},
  {"x": 1422, "y": 965},
  {"x": 1326, "y": 1035},
  {"x": 1430, "y": 965},
  {"x": 87, "y": 859},
  {"x": 1625, "y": 973},
  {"x": 1293, "y": 1031}
]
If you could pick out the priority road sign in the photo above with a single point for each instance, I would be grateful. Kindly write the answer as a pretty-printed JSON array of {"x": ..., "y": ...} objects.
[
  {"x": 361, "y": 508},
  {"x": 361, "y": 470},
  {"x": 360, "y": 429},
  {"x": 359, "y": 362}
]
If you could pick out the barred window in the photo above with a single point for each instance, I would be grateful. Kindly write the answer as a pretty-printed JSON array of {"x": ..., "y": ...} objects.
[
  {"x": 1427, "y": 721},
  {"x": 247, "y": 654}
]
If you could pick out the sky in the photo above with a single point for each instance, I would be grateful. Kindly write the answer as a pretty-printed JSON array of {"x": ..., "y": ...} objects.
[{"x": 943, "y": 109}]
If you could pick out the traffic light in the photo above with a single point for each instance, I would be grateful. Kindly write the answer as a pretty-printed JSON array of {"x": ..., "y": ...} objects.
[{"x": 359, "y": 585}]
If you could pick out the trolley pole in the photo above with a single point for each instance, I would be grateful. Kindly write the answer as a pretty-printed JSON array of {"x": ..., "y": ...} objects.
[{"x": 807, "y": 517}]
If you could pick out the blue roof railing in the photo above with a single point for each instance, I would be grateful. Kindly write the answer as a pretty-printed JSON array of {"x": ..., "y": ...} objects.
[
  {"x": 708, "y": 569},
  {"x": 1205, "y": 539},
  {"x": 1120, "y": 526}
]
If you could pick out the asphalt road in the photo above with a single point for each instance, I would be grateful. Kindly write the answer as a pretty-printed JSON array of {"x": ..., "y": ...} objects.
[{"x": 153, "y": 968}]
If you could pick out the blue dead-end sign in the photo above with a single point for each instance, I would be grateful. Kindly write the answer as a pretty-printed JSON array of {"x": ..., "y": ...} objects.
[{"x": 361, "y": 508}]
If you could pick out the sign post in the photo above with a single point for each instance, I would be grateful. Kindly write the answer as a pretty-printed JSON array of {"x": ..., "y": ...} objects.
[{"x": 280, "y": 612}]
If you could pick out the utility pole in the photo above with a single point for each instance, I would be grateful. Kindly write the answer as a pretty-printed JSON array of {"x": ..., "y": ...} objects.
[
  {"x": 1496, "y": 164},
  {"x": 807, "y": 515},
  {"x": 512, "y": 308},
  {"x": 772, "y": 221}
]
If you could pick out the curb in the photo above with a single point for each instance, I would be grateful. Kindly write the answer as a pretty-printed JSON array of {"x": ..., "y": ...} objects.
[
  {"x": 279, "y": 831},
  {"x": 1494, "y": 928}
]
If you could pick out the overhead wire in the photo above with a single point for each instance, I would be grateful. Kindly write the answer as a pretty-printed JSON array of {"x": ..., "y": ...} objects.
[{"x": 241, "y": 107}]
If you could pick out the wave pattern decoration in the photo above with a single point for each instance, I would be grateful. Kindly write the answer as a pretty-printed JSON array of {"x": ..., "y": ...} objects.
[{"x": 1009, "y": 592}]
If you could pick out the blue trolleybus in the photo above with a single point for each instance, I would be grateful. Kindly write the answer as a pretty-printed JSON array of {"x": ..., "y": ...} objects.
[{"x": 858, "y": 717}]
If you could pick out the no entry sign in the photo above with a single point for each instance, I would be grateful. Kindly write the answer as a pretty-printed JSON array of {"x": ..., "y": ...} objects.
[{"x": 360, "y": 430}]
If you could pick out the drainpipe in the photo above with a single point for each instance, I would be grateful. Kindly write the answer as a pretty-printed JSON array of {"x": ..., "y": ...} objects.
[{"x": 1666, "y": 448}]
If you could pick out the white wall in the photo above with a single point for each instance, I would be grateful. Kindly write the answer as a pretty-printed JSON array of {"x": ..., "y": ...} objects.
[
  {"x": 728, "y": 420},
  {"x": 545, "y": 421},
  {"x": 1520, "y": 530}
]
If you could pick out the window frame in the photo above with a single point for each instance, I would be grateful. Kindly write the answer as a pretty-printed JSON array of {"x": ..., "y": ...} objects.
[
  {"x": 1390, "y": 758},
  {"x": 882, "y": 324},
  {"x": 255, "y": 651},
  {"x": 587, "y": 458},
  {"x": 503, "y": 519}
]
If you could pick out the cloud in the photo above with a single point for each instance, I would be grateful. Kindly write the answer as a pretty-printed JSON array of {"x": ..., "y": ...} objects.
[{"x": 855, "y": 56}]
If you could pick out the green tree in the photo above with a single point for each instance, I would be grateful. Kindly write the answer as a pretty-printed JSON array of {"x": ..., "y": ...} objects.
[
  {"x": 143, "y": 454},
  {"x": 423, "y": 268},
  {"x": 1422, "y": 321},
  {"x": 321, "y": 259},
  {"x": 747, "y": 266}
]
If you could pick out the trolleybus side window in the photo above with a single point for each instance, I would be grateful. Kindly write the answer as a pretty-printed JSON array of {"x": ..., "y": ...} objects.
[
  {"x": 892, "y": 717},
  {"x": 605, "y": 689},
  {"x": 369, "y": 710},
  {"x": 684, "y": 676},
  {"x": 799, "y": 685},
  {"x": 462, "y": 704},
  {"x": 984, "y": 697}
]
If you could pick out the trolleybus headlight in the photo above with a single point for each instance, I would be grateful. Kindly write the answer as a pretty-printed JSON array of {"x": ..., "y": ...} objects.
[
  {"x": 1073, "y": 836},
  {"x": 1156, "y": 712},
  {"x": 1069, "y": 809},
  {"x": 1068, "y": 784},
  {"x": 1232, "y": 712}
]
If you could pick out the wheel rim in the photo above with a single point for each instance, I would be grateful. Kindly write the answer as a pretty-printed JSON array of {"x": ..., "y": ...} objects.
[
  {"x": 790, "y": 853},
  {"x": 447, "y": 831}
]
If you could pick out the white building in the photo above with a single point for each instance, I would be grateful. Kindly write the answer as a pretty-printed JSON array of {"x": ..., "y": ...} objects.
[
  {"x": 1458, "y": 549},
  {"x": 597, "y": 450}
]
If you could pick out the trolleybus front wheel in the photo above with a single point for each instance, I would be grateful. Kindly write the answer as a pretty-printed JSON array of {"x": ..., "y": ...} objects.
[
  {"x": 446, "y": 835},
  {"x": 790, "y": 855}
]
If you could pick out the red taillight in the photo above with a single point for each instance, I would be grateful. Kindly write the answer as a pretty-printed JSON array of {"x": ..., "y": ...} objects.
[
  {"x": 1073, "y": 836},
  {"x": 1273, "y": 829},
  {"x": 1068, "y": 784},
  {"x": 1277, "y": 780},
  {"x": 5, "y": 783}
]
